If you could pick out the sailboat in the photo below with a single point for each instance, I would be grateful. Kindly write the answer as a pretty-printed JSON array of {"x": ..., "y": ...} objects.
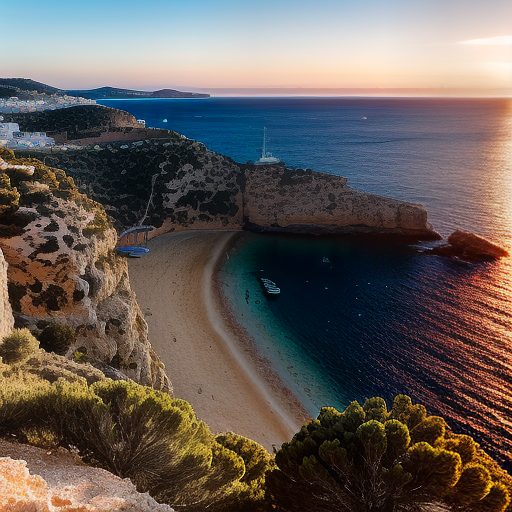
[{"x": 266, "y": 157}]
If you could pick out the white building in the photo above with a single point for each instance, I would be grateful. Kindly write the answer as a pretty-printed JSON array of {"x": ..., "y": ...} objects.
[{"x": 12, "y": 137}]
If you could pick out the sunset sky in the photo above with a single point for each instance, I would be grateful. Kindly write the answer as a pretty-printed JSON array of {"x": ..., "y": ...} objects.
[{"x": 205, "y": 44}]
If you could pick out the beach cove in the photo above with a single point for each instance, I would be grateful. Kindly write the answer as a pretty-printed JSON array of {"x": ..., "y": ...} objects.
[{"x": 210, "y": 360}]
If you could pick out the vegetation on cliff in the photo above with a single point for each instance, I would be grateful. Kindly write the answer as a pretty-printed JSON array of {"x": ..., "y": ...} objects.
[
  {"x": 78, "y": 122},
  {"x": 364, "y": 459},
  {"x": 59, "y": 245},
  {"x": 367, "y": 458},
  {"x": 132, "y": 431}
]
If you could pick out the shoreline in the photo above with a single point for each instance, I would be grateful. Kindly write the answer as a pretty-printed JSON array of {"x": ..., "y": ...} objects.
[{"x": 210, "y": 358}]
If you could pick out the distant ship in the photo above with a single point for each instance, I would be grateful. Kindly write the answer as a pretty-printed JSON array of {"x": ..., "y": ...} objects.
[{"x": 266, "y": 157}]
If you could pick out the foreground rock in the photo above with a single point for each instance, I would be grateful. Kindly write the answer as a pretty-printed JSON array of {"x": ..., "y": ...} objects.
[
  {"x": 470, "y": 247},
  {"x": 195, "y": 188},
  {"x": 59, "y": 246},
  {"x": 32, "y": 480},
  {"x": 6, "y": 318}
]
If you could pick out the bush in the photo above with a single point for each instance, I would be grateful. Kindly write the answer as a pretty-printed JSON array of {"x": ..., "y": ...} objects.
[
  {"x": 57, "y": 338},
  {"x": 9, "y": 196},
  {"x": 134, "y": 432},
  {"x": 18, "y": 346},
  {"x": 21, "y": 403},
  {"x": 249, "y": 493},
  {"x": 371, "y": 459}
]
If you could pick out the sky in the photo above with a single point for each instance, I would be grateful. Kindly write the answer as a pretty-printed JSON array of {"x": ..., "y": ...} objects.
[{"x": 214, "y": 44}]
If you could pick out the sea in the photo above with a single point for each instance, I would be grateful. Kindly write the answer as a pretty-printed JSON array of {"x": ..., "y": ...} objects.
[{"x": 358, "y": 318}]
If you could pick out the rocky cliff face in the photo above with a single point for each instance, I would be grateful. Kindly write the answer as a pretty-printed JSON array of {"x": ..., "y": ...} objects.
[
  {"x": 197, "y": 188},
  {"x": 35, "y": 480},
  {"x": 192, "y": 186},
  {"x": 279, "y": 199},
  {"x": 62, "y": 267},
  {"x": 6, "y": 318}
]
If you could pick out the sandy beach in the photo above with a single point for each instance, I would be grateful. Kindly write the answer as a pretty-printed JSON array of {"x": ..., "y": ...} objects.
[{"x": 210, "y": 360}]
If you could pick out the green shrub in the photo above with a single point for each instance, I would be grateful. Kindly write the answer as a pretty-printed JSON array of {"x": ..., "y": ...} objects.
[
  {"x": 9, "y": 196},
  {"x": 370, "y": 459},
  {"x": 249, "y": 493},
  {"x": 18, "y": 346},
  {"x": 21, "y": 402},
  {"x": 134, "y": 432},
  {"x": 57, "y": 338}
]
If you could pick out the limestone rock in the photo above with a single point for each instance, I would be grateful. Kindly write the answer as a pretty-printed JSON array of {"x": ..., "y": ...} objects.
[
  {"x": 195, "y": 188},
  {"x": 302, "y": 201},
  {"x": 6, "y": 318},
  {"x": 63, "y": 267},
  {"x": 470, "y": 247},
  {"x": 56, "y": 482}
]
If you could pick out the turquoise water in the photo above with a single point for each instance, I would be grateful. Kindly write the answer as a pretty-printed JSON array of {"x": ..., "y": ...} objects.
[{"x": 379, "y": 319}]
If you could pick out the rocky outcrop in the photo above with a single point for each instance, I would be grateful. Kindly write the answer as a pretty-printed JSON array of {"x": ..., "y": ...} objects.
[
  {"x": 301, "y": 201},
  {"x": 62, "y": 267},
  {"x": 194, "y": 187},
  {"x": 470, "y": 247},
  {"x": 32, "y": 479},
  {"x": 6, "y": 318},
  {"x": 68, "y": 124}
]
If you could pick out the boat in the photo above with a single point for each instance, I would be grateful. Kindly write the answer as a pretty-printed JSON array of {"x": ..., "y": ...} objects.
[
  {"x": 326, "y": 260},
  {"x": 266, "y": 157},
  {"x": 134, "y": 251},
  {"x": 164, "y": 120},
  {"x": 269, "y": 286}
]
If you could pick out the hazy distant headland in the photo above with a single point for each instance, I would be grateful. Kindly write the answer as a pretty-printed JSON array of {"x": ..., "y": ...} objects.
[{"x": 25, "y": 88}]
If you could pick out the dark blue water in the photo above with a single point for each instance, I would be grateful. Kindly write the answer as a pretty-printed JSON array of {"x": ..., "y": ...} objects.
[{"x": 378, "y": 319}]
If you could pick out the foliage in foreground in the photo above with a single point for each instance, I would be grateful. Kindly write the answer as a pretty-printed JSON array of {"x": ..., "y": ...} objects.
[
  {"x": 18, "y": 346},
  {"x": 136, "y": 432},
  {"x": 370, "y": 459}
]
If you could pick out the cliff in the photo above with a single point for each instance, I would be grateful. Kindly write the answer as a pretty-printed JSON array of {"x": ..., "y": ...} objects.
[
  {"x": 298, "y": 201},
  {"x": 68, "y": 124},
  {"x": 197, "y": 188},
  {"x": 6, "y": 318},
  {"x": 59, "y": 246}
]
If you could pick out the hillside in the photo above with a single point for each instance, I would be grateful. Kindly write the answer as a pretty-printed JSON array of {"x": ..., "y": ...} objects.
[
  {"x": 195, "y": 188},
  {"x": 72, "y": 123},
  {"x": 114, "y": 92},
  {"x": 25, "y": 88},
  {"x": 59, "y": 246},
  {"x": 26, "y": 84}
]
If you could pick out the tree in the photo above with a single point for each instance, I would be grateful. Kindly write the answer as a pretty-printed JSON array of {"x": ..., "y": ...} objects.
[{"x": 369, "y": 459}]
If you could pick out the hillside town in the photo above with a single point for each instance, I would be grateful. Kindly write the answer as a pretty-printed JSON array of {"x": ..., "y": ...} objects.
[
  {"x": 13, "y": 138},
  {"x": 41, "y": 102}
]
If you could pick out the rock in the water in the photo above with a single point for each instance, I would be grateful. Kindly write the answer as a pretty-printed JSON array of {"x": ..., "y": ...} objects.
[{"x": 470, "y": 247}]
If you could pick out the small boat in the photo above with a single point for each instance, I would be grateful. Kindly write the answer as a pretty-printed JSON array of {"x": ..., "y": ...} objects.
[
  {"x": 266, "y": 157},
  {"x": 269, "y": 286},
  {"x": 134, "y": 251},
  {"x": 164, "y": 120},
  {"x": 364, "y": 118},
  {"x": 326, "y": 260}
]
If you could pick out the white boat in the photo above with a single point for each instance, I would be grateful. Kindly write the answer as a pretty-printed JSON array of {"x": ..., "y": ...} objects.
[
  {"x": 164, "y": 120},
  {"x": 266, "y": 157},
  {"x": 270, "y": 287}
]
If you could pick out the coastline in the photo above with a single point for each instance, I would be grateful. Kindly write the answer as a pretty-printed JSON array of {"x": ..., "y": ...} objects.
[{"x": 210, "y": 359}]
